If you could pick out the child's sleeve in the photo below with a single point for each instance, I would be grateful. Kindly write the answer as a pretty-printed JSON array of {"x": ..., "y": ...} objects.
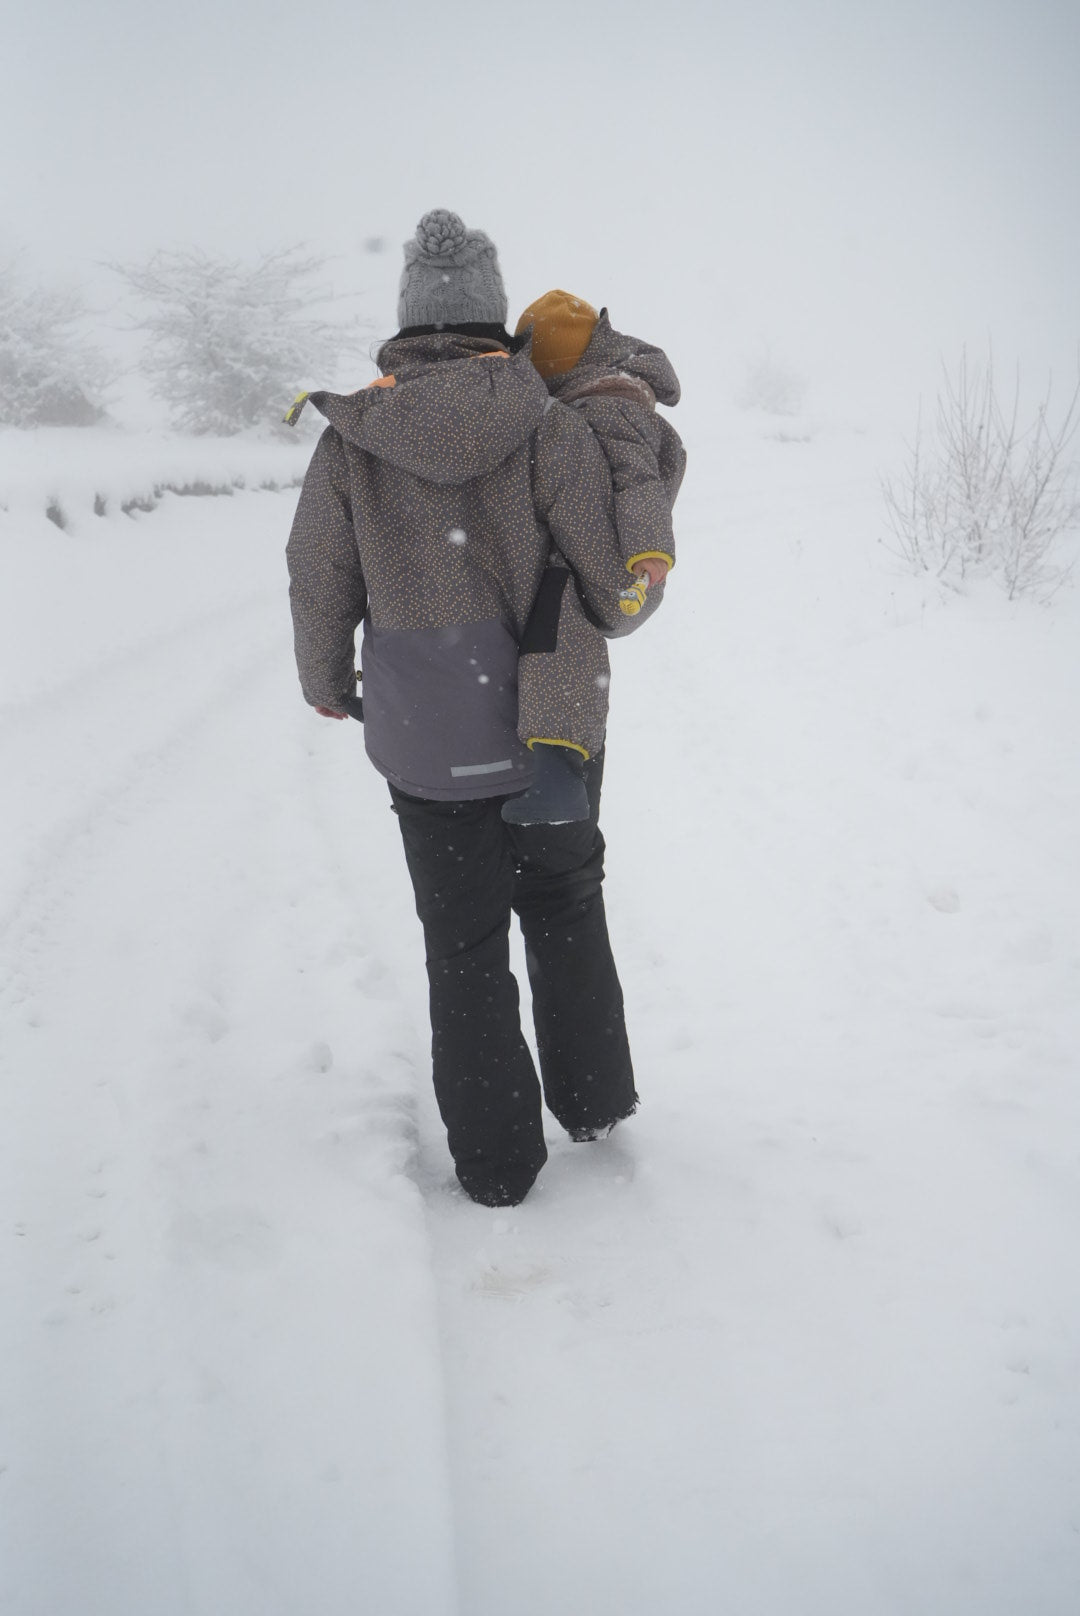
[
  {"x": 647, "y": 462},
  {"x": 575, "y": 498}
]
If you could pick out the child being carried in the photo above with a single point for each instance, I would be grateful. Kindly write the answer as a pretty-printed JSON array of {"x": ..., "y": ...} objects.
[{"x": 563, "y": 670}]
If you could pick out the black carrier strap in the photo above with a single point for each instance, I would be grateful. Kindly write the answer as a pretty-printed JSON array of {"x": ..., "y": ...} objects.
[{"x": 542, "y": 629}]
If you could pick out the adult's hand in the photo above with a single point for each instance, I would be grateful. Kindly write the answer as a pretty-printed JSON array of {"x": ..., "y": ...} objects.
[{"x": 328, "y": 712}]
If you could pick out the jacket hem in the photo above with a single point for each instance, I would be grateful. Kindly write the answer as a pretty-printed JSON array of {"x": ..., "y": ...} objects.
[{"x": 469, "y": 789}]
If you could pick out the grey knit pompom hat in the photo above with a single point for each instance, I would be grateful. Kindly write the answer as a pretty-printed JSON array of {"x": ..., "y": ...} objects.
[{"x": 451, "y": 275}]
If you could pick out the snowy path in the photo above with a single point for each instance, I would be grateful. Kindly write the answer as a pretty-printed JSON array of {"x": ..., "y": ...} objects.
[
  {"x": 228, "y": 1393},
  {"x": 801, "y": 1339}
]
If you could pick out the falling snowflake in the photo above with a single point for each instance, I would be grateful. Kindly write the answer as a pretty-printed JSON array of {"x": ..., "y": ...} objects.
[{"x": 456, "y": 535}]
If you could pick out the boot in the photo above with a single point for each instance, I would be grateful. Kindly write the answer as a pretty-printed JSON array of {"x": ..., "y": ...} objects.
[{"x": 557, "y": 795}]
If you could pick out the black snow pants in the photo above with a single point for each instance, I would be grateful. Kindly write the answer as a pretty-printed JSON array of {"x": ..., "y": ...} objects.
[{"x": 469, "y": 870}]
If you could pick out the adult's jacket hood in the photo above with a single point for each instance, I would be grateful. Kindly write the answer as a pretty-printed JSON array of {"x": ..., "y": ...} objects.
[{"x": 448, "y": 409}]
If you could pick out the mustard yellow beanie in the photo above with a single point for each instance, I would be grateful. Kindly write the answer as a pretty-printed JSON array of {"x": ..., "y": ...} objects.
[{"x": 562, "y": 325}]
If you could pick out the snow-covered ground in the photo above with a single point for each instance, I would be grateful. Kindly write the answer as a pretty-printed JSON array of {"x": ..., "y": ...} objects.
[
  {"x": 803, "y": 1339},
  {"x": 77, "y": 476}
]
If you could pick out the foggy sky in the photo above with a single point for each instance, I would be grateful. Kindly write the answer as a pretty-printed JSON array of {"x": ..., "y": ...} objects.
[{"x": 861, "y": 187}]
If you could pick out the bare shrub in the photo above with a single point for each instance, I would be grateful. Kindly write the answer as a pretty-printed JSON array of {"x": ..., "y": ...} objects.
[
  {"x": 770, "y": 386},
  {"x": 229, "y": 345},
  {"x": 50, "y": 374},
  {"x": 983, "y": 497}
]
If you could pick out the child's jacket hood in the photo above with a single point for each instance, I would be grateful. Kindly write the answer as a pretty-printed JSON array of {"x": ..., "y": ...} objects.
[
  {"x": 610, "y": 350},
  {"x": 447, "y": 408}
]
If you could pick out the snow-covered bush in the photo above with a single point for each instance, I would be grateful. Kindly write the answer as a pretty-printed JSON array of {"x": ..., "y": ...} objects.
[
  {"x": 982, "y": 496},
  {"x": 770, "y": 386},
  {"x": 50, "y": 374},
  {"x": 229, "y": 345}
]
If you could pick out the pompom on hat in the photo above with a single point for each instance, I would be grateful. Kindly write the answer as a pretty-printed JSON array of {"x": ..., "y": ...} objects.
[
  {"x": 451, "y": 275},
  {"x": 561, "y": 326}
]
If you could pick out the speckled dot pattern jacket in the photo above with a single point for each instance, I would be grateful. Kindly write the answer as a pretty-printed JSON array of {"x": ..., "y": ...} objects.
[{"x": 428, "y": 513}]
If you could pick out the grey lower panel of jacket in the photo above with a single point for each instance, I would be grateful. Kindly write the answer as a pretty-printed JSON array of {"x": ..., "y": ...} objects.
[{"x": 441, "y": 710}]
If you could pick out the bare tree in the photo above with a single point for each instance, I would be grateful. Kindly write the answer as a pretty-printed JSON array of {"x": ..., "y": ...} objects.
[
  {"x": 229, "y": 344},
  {"x": 770, "y": 386},
  {"x": 50, "y": 374},
  {"x": 983, "y": 497}
]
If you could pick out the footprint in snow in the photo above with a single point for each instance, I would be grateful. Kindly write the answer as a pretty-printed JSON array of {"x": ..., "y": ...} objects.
[
  {"x": 233, "y": 1237},
  {"x": 319, "y": 1057},
  {"x": 208, "y": 1019},
  {"x": 509, "y": 1284}
]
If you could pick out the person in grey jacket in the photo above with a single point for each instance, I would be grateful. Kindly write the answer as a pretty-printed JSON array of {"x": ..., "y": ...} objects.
[{"x": 428, "y": 514}]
